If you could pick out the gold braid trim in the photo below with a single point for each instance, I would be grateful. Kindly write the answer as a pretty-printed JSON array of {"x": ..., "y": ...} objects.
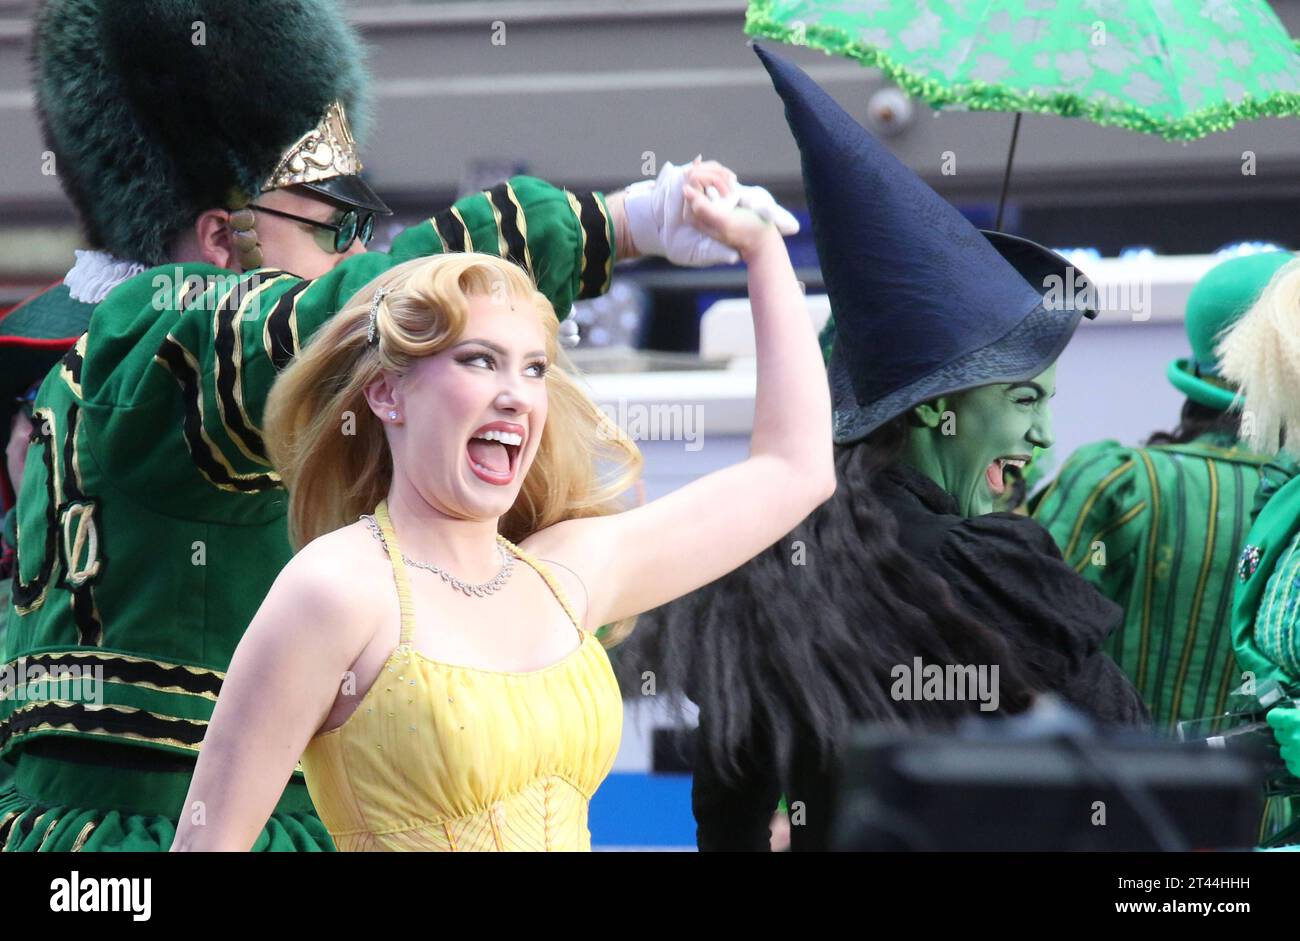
[{"x": 83, "y": 836}]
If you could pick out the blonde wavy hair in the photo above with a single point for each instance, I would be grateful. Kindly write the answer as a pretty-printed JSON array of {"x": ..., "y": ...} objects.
[
  {"x": 1260, "y": 354},
  {"x": 333, "y": 477}
]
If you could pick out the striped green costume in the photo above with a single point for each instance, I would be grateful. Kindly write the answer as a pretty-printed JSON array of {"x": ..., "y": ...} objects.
[
  {"x": 151, "y": 523},
  {"x": 1266, "y": 617},
  {"x": 1159, "y": 530}
]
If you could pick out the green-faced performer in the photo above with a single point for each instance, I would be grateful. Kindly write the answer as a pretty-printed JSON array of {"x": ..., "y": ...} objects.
[
  {"x": 217, "y": 179},
  {"x": 1158, "y": 528},
  {"x": 941, "y": 371}
]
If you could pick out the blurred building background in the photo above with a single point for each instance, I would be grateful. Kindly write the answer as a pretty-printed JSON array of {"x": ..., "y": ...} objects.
[
  {"x": 586, "y": 91},
  {"x": 599, "y": 93}
]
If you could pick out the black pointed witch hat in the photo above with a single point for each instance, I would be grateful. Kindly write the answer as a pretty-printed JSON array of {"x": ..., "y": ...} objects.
[{"x": 924, "y": 304}]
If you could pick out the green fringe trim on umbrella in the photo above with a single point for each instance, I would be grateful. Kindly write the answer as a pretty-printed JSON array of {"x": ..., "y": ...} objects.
[{"x": 985, "y": 96}]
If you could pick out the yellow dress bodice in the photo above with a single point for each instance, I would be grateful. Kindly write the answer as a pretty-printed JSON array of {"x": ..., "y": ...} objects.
[{"x": 445, "y": 757}]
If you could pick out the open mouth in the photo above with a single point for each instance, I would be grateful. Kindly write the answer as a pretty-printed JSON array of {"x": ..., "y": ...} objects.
[
  {"x": 996, "y": 472},
  {"x": 493, "y": 451}
]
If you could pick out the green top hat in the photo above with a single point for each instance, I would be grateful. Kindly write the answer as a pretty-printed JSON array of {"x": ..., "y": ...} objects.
[
  {"x": 1222, "y": 295},
  {"x": 157, "y": 110}
]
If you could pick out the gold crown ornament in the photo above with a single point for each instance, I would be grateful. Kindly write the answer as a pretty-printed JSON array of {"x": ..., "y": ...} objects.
[{"x": 324, "y": 152}]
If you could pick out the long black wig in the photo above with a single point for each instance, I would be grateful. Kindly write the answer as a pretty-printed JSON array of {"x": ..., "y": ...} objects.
[{"x": 801, "y": 640}]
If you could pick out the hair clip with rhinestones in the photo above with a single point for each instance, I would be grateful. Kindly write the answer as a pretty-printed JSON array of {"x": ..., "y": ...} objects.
[{"x": 372, "y": 332}]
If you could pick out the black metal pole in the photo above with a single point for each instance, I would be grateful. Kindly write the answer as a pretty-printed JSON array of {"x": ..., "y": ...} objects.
[{"x": 1006, "y": 177}]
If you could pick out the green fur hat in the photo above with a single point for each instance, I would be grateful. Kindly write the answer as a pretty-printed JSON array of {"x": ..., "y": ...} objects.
[{"x": 157, "y": 110}]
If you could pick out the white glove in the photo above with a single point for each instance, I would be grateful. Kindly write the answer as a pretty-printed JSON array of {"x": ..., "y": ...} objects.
[{"x": 656, "y": 219}]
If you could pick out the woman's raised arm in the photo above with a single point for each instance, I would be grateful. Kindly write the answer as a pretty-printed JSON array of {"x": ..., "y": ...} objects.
[{"x": 636, "y": 560}]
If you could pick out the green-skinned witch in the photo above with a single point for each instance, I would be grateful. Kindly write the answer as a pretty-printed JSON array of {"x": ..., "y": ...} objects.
[
  {"x": 218, "y": 180},
  {"x": 942, "y": 368}
]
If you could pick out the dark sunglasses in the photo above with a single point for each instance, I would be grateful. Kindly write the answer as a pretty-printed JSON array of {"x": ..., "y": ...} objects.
[{"x": 349, "y": 228}]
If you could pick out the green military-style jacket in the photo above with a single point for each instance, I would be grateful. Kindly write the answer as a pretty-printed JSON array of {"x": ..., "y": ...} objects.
[
  {"x": 1266, "y": 607},
  {"x": 1266, "y": 617},
  {"x": 151, "y": 523},
  {"x": 1159, "y": 530}
]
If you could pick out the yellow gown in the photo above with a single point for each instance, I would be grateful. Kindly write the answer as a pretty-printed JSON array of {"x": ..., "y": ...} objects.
[{"x": 445, "y": 757}]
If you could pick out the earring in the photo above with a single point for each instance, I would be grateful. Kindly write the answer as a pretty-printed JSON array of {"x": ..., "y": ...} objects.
[{"x": 393, "y": 416}]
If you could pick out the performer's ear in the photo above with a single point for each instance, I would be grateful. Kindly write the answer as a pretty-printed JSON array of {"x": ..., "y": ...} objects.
[
  {"x": 212, "y": 230},
  {"x": 382, "y": 397},
  {"x": 930, "y": 414}
]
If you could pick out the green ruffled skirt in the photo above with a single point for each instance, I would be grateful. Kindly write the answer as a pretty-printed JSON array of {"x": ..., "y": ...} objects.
[{"x": 51, "y": 805}]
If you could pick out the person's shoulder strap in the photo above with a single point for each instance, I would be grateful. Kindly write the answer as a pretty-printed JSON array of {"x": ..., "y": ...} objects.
[
  {"x": 547, "y": 577},
  {"x": 399, "y": 570}
]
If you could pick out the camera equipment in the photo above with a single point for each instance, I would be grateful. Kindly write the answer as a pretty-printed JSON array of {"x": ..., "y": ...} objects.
[{"x": 1043, "y": 781}]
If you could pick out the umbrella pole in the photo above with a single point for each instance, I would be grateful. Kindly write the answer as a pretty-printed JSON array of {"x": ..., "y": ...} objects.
[{"x": 1006, "y": 176}]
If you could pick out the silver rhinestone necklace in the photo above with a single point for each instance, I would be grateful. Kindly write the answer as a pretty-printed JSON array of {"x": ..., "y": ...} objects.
[{"x": 487, "y": 588}]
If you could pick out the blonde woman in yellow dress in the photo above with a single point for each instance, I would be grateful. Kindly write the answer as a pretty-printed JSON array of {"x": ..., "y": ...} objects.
[{"x": 476, "y": 709}]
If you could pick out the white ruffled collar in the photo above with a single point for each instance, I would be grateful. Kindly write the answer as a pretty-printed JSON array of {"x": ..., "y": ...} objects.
[{"x": 97, "y": 273}]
